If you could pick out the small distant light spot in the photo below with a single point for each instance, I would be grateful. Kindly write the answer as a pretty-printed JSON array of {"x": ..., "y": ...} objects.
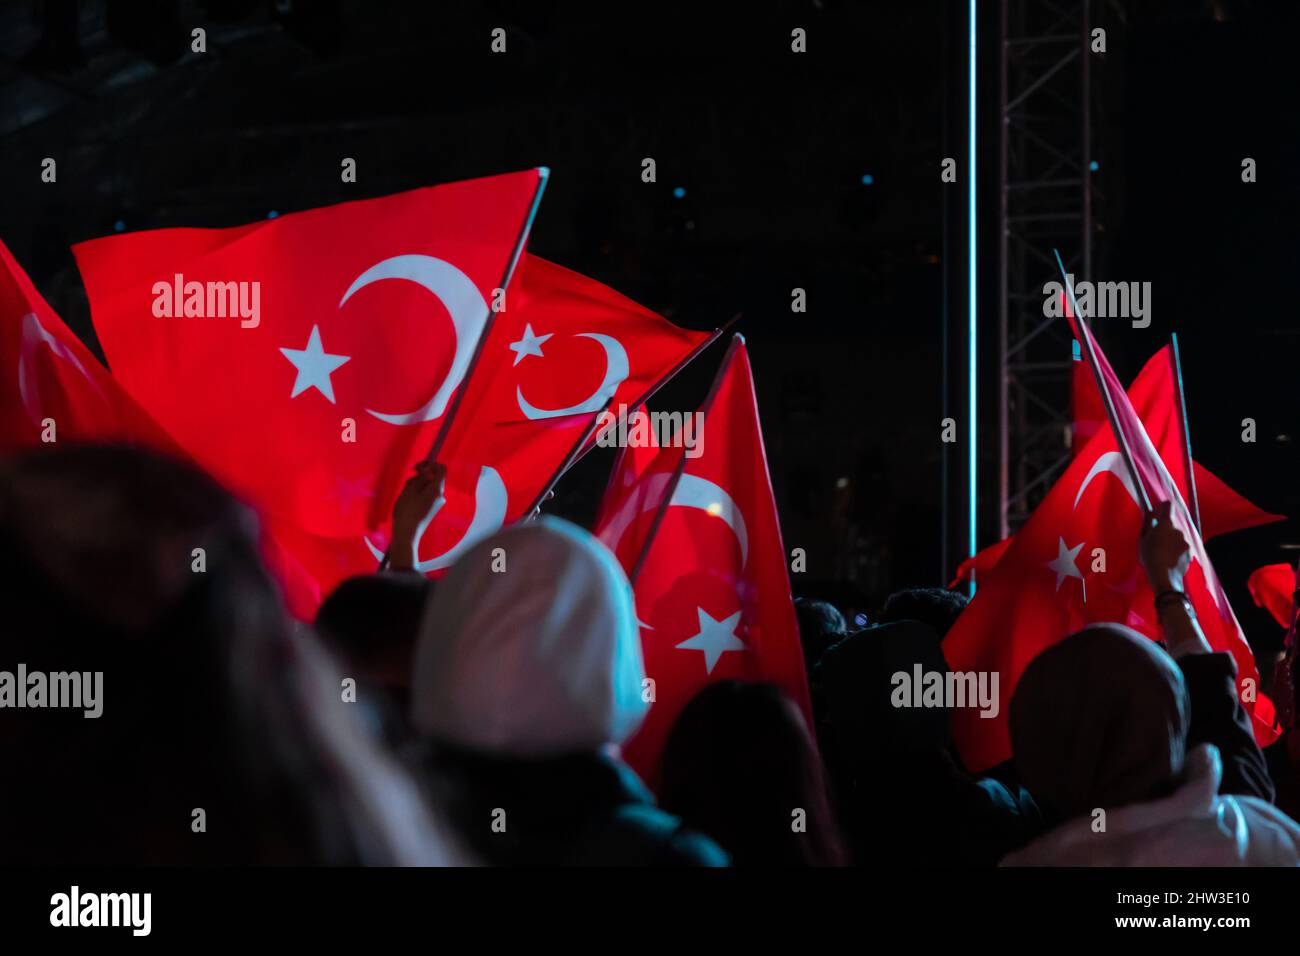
[
  {"x": 272, "y": 214},
  {"x": 868, "y": 179},
  {"x": 1094, "y": 166},
  {"x": 679, "y": 192},
  {"x": 841, "y": 483},
  {"x": 119, "y": 226}
]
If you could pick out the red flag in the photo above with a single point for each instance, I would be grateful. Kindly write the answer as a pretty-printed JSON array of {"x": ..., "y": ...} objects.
[
  {"x": 1075, "y": 562},
  {"x": 1154, "y": 393},
  {"x": 1087, "y": 411},
  {"x": 51, "y": 387},
  {"x": 638, "y": 484},
  {"x": 59, "y": 391},
  {"x": 1276, "y": 588},
  {"x": 712, "y": 591},
  {"x": 1272, "y": 587},
  {"x": 981, "y": 563},
  {"x": 1155, "y": 398},
  {"x": 287, "y": 359},
  {"x": 564, "y": 349}
]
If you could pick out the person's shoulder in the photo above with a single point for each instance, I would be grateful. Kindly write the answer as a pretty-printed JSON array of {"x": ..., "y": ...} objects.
[{"x": 662, "y": 839}]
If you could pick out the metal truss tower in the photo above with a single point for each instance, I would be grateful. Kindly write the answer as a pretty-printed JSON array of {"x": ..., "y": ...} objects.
[{"x": 1047, "y": 111}]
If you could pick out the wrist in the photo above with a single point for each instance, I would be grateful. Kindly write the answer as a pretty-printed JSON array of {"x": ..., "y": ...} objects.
[
  {"x": 401, "y": 555},
  {"x": 1173, "y": 599},
  {"x": 1165, "y": 581}
]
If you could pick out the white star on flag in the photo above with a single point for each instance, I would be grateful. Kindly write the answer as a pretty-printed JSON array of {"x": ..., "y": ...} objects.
[
  {"x": 530, "y": 344},
  {"x": 715, "y": 638},
  {"x": 314, "y": 366},
  {"x": 1065, "y": 567}
]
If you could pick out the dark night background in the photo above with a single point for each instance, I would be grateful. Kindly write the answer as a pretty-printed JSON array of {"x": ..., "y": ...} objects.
[{"x": 771, "y": 149}]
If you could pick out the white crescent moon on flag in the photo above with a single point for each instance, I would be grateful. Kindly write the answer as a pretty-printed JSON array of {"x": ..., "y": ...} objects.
[
  {"x": 1113, "y": 462},
  {"x": 490, "y": 499},
  {"x": 691, "y": 492},
  {"x": 616, "y": 372},
  {"x": 32, "y": 336},
  {"x": 464, "y": 303}
]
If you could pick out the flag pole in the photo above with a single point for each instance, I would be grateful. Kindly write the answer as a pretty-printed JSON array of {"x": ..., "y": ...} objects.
[
  {"x": 543, "y": 175},
  {"x": 671, "y": 374},
  {"x": 587, "y": 445},
  {"x": 1187, "y": 432},
  {"x": 736, "y": 341},
  {"x": 570, "y": 459},
  {"x": 1085, "y": 338}
]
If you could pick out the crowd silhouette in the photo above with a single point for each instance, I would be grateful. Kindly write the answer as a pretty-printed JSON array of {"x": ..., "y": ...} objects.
[{"x": 477, "y": 720}]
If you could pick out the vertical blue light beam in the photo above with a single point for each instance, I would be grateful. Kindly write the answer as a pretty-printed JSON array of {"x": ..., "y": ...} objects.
[{"x": 970, "y": 293}]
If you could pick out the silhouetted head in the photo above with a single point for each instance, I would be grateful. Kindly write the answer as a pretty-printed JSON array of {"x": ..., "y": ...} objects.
[
  {"x": 221, "y": 735},
  {"x": 937, "y": 607},
  {"x": 371, "y": 622},
  {"x": 820, "y": 625},
  {"x": 1099, "y": 720},
  {"x": 859, "y": 680},
  {"x": 741, "y": 767}
]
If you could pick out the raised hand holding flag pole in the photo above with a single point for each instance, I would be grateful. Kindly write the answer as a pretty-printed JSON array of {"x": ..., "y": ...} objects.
[
  {"x": 542, "y": 178},
  {"x": 1150, "y": 482},
  {"x": 391, "y": 296},
  {"x": 564, "y": 350},
  {"x": 1075, "y": 562}
]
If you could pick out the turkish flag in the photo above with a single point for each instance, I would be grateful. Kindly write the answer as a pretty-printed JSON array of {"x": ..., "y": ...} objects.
[
  {"x": 1272, "y": 587},
  {"x": 980, "y": 563},
  {"x": 51, "y": 387},
  {"x": 1276, "y": 588},
  {"x": 1075, "y": 562},
  {"x": 702, "y": 539},
  {"x": 563, "y": 349},
  {"x": 1154, "y": 393},
  {"x": 60, "y": 392},
  {"x": 1087, "y": 411},
  {"x": 1155, "y": 398},
  {"x": 308, "y": 361}
]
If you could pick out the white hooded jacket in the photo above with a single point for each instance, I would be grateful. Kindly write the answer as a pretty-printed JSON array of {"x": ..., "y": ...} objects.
[
  {"x": 530, "y": 647},
  {"x": 1193, "y": 826}
]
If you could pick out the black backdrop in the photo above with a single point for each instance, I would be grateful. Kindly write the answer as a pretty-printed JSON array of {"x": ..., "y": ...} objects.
[{"x": 770, "y": 148}]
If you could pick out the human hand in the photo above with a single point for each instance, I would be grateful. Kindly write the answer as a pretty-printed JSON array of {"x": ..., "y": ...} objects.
[
  {"x": 1164, "y": 550},
  {"x": 418, "y": 501}
]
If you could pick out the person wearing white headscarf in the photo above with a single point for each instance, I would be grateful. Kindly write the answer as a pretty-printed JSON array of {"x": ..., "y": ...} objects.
[{"x": 527, "y": 676}]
